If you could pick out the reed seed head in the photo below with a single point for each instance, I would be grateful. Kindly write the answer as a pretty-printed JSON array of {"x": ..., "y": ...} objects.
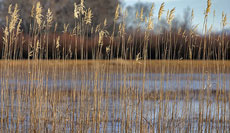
[
  {"x": 150, "y": 24},
  {"x": 108, "y": 49},
  {"x": 151, "y": 10},
  {"x": 102, "y": 34},
  {"x": 18, "y": 30},
  {"x": 167, "y": 16},
  {"x": 82, "y": 7},
  {"x": 171, "y": 15},
  {"x": 38, "y": 46},
  {"x": 10, "y": 9},
  {"x": 224, "y": 19},
  {"x": 161, "y": 10},
  {"x": 137, "y": 14},
  {"x": 120, "y": 29},
  {"x": 6, "y": 34},
  {"x": 79, "y": 9},
  {"x": 39, "y": 15},
  {"x": 6, "y": 31},
  {"x": 141, "y": 14},
  {"x": 88, "y": 16},
  {"x": 209, "y": 4},
  {"x": 32, "y": 12},
  {"x": 49, "y": 18},
  {"x": 192, "y": 15},
  {"x": 14, "y": 18},
  {"x": 58, "y": 42},
  {"x": 76, "y": 12},
  {"x": 98, "y": 27},
  {"x": 82, "y": 3},
  {"x": 117, "y": 12},
  {"x": 105, "y": 22},
  {"x": 138, "y": 56}
]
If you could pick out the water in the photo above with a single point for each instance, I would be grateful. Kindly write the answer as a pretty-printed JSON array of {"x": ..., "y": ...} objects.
[{"x": 108, "y": 95}]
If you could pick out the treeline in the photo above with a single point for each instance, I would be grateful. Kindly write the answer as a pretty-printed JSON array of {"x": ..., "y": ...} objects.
[{"x": 132, "y": 46}]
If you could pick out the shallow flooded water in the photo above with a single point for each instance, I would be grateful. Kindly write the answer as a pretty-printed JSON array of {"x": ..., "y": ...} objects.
[
  {"x": 167, "y": 75},
  {"x": 116, "y": 95}
]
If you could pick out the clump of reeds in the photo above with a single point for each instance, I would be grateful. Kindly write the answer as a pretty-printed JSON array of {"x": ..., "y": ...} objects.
[
  {"x": 94, "y": 105},
  {"x": 115, "y": 95},
  {"x": 81, "y": 41}
]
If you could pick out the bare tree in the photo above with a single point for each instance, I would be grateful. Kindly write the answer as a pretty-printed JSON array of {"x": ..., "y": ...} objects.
[
  {"x": 62, "y": 10},
  {"x": 131, "y": 10}
]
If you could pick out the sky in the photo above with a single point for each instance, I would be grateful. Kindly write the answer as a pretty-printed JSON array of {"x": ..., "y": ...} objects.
[{"x": 198, "y": 5}]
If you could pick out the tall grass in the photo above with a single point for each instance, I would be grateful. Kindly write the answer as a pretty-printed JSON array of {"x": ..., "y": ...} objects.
[
  {"x": 117, "y": 96},
  {"x": 121, "y": 95},
  {"x": 88, "y": 41}
]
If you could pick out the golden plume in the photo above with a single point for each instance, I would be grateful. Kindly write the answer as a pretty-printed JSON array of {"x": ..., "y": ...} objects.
[{"x": 161, "y": 10}]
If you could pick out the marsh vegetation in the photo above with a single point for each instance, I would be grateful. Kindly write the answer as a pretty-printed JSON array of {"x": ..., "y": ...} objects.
[
  {"x": 115, "y": 95},
  {"x": 89, "y": 79}
]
